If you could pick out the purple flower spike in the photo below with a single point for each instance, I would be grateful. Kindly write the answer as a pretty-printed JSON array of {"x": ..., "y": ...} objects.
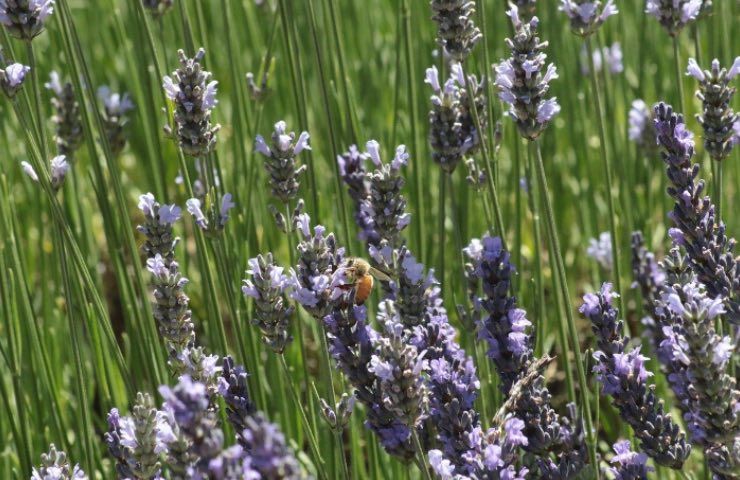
[
  {"x": 194, "y": 95},
  {"x": 703, "y": 235},
  {"x": 717, "y": 118},
  {"x": 280, "y": 160},
  {"x": 25, "y": 19},
  {"x": 587, "y": 16},
  {"x": 523, "y": 80},
  {"x": 456, "y": 30},
  {"x": 674, "y": 15},
  {"x": 624, "y": 377},
  {"x": 628, "y": 465}
]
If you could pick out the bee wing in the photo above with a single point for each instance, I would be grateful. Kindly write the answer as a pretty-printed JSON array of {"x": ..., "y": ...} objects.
[{"x": 379, "y": 275}]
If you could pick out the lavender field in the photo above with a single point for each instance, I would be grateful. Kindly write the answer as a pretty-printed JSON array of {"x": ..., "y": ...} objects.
[{"x": 377, "y": 239}]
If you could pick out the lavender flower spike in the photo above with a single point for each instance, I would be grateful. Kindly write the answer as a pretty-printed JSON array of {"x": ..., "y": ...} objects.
[
  {"x": 157, "y": 227},
  {"x": 137, "y": 442},
  {"x": 386, "y": 205},
  {"x": 54, "y": 466},
  {"x": 697, "y": 229},
  {"x": 445, "y": 130},
  {"x": 523, "y": 80},
  {"x": 319, "y": 258},
  {"x": 280, "y": 160},
  {"x": 717, "y": 117},
  {"x": 642, "y": 127},
  {"x": 158, "y": 7},
  {"x": 213, "y": 220},
  {"x": 12, "y": 77},
  {"x": 398, "y": 367},
  {"x": 456, "y": 30},
  {"x": 194, "y": 94},
  {"x": 351, "y": 344},
  {"x": 187, "y": 405},
  {"x": 624, "y": 377},
  {"x": 67, "y": 117},
  {"x": 261, "y": 440},
  {"x": 587, "y": 16},
  {"x": 268, "y": 286},
  {"x": 674, "y": 15},
  {"x": 628, "y": 465},
  {"x": 116, "y": 106},
  {"x": 25, "y": 19},
  {"x": 601, "y": 250},
  {"x": 58, "y": 170},
  {"x": 354, "y": 174},
  {"x": 714, "y": 400}
]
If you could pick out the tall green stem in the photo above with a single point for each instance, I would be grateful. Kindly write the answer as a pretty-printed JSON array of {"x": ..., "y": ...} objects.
[
  {"x": 679, "y": 80},
  {"x": 563, "y": 282},
  {"x": 608, "y": 175},
  {"x": 37, "y": 99}
]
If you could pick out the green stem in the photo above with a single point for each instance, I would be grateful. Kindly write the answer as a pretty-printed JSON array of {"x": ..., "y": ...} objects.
[
  {"x": 37, "y": 99},
  {"x": 421, "y": 459},
  {"x": 538, "y": 248},
  {"x": 609, "y": 181},
  {"x": 679, "y": 80},
  {"x": 309, "y": 431},
  {"x": 441, "y": 225},
  {"x": 572, "y": 329}
]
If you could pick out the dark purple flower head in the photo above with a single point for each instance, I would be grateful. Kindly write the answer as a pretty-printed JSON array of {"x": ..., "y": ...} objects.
[
  {"x": 385, "y": 205},
  {"x": 354, "y": 174},
  {"x": 624, "y": 377},
  {"x": 628, "y": 465},
  {"x": 502, "y": 325},
  {"x": 157, "y": 8},
  {"x": 699, "y": 231},
  {"x": 194, "y": 94}
]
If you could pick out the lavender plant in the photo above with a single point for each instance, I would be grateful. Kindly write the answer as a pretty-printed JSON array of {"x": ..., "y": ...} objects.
[
  {"x": 25, "y": 19},
  {"x": 505, "y": 328},
  {"x": 354, "y": 175},
  {"x": 12, "y": 76},
  {"x": 641, "y": 127},
  {"x": 319, "y": 258},
  {"x": 54, "y": 465},
  {"x": 523, "y": 81},
  {"x": 194, "y": 95},
  {"x": 456, "y": 30},
  {"x": 624, "y": 377},
  {"x": 157, "y": 8},
  {"x": 586, "y": 16},
  {"x": 696, "y": 227},
  {"x": 69, "y": 134},
  {"x": 717, "y": 117},
  {"x": 713, "y": 397},
  {"x": 116, "y": 106},
  {"x": 280, "y": 160},
  {"x": 137, "y": 442},
  {"x": 674, "y": 15},
  {"x": 213, "y": 220},
  {"x": 628, "y": 465},
  {"x": 268, "y": 287}
]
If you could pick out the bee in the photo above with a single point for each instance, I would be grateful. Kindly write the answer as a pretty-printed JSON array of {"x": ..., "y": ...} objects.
[{"x": 360, "y": 275}]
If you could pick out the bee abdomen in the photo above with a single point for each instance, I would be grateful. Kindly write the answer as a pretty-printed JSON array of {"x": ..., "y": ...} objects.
[{"x": 363, "y": 288}]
